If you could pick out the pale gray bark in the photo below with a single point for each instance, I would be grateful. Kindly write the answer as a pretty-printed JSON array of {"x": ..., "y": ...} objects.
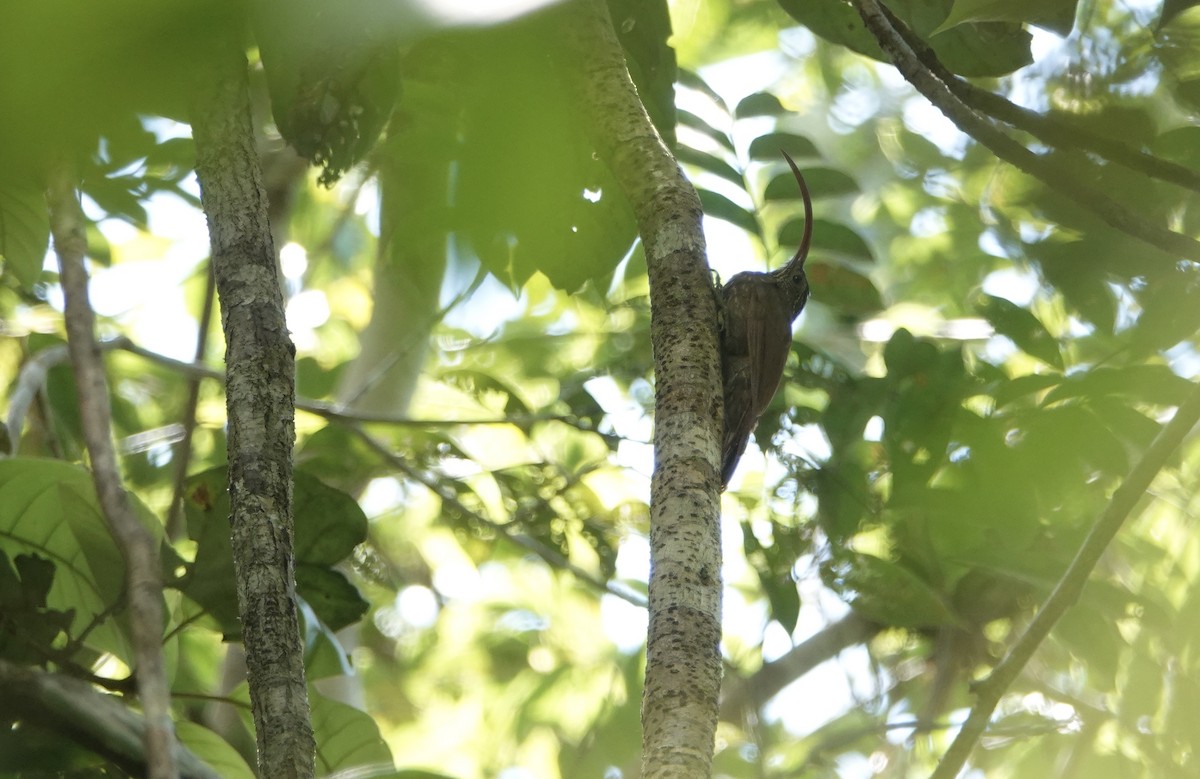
[
  {"x": 260, "y": 392},
  {"x": 683, "y": 662},
  {"x": 139, "y": 548}
]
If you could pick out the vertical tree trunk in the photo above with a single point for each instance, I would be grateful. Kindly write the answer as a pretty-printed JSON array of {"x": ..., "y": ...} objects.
[
  {"x": 260, "y": 390},
  {"x": 683, "y": 659}
]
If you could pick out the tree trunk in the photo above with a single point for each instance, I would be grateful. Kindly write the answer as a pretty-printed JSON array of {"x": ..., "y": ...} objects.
[
  {"x": 260, "y": 392},
  {"x": 683, "y": 658}
]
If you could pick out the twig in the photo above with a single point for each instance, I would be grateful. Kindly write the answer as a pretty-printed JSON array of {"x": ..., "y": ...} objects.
[
  {"x": 1067, "y": 591},
  {"x": 183, "y": 450},
  {"x": 30, "y": 382},
  {"x": 143, "y": 574},
  {"x": 1045, "y": 168}
]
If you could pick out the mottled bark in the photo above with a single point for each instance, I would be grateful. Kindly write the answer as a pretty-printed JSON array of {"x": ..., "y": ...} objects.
[
  {"x": 260, "y": 392},
  {"x": 683, "y": 663}
]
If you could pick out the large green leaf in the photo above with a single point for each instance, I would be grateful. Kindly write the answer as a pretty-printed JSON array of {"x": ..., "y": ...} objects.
[
  {"x": 1056, "y": 15},
  {"x": 984, "y": 49},
  {"x": 328, "y": 525},
  {"x": 514, "y": 180},
  {"x": 48, "y": 508},
  {"x": 24, "y": 232}
]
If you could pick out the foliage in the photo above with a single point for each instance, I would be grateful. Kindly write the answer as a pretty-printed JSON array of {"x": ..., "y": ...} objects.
[{"x": 982, "y": 362}]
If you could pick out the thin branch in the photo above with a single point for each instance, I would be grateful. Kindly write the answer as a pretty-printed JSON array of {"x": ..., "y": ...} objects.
[
  {"x": 1050, "y": 171},
  {"x": 1047, "y": 129},
  {"x": 143, "y": 573},
  {"x": 1067, "y": 591},
  {"x": 183, "y": 450},
  {"x": 765, "y": 683},
  {"x": 30, "y": 382}
]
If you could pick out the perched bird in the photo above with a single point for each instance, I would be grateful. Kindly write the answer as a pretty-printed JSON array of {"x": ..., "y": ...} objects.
[{"x": 756, "y": 336}]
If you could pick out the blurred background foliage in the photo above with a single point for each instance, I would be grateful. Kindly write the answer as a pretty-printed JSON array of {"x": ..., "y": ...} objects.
[{"x": 981, "y": 363}]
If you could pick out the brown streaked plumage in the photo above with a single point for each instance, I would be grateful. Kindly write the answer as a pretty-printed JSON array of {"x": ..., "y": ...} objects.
[{"x": 759, "y": 309}]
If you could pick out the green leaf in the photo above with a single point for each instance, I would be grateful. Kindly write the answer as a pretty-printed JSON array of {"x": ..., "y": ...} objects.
[
  {"x": 984, "y": 49},
  {"x": 693, "y": 80},
  {"x": 1055, "y": 15},
  {"x": 48, "y": 508},
  {"x": 829, "y": 238},
  {"x": 1143, "y": 383},
  {"x": 24, "y": 232},
  {"x": 328, "y": 525},
  {"x": 1020, "y": 325},
  {"x": 218, "y": 753},
  {"x": 843, "y": 289},
  {"x": 28, "y": 630},
  {"x": 332, "y": 597},
  {"x": 1023, "y": 386},
  {"x": 822, "y": 182},
  {"x": 768, "y": 148},
  {"x": 759, "y": 104},
  {"x": 722, "y": 207},
  {"x": 347, "y": 738},
  {"x": 697, "y": 123},
  {"x": 710, "y": 163}
]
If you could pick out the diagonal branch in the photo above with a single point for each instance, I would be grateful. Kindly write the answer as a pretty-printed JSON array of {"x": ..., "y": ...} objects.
[
  {"x": 1050, "y": 171},
  {"x": 1067, "y": 591},
  {"x": 1045, "y": 128},
  {"x": 754, "y": 691},
  {"x": 98, "y": 721},
  {"x": 143, "y": 574}
]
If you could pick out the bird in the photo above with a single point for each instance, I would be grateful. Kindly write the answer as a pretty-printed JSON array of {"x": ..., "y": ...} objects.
[{"x": 756, "y": 335}]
